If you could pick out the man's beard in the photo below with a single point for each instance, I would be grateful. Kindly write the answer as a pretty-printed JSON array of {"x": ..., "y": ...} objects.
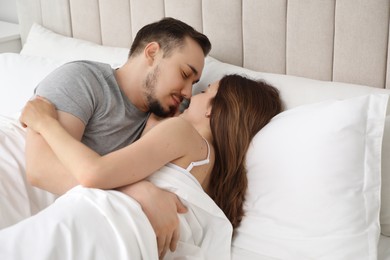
[{"x": 154, "y": 105}]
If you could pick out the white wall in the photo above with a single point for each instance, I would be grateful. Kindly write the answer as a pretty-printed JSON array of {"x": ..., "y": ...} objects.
[{"x": 8, "y": 11}]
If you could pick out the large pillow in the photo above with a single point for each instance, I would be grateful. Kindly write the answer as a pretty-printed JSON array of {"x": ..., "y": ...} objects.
[
  {"x": 314, "y": 182},
  {"x": 19, "y": 75},
  {"x": 45, "y": 43},
  {"x": 296, "y": 91}
]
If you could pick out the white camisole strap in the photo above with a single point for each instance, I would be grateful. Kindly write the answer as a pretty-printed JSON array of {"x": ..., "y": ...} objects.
[{"x": 202, "y": 162}]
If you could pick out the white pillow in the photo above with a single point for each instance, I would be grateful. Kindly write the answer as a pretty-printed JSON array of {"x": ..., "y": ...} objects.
[
  {"x": 45, "y": 43},
  {"x": 314, "y": 182},
  {"x": 44, "y": 51},
  {"x": 385, "y": 206},
  {"x": 297, "y": 91},
  {"x": 19, "y": 75}
]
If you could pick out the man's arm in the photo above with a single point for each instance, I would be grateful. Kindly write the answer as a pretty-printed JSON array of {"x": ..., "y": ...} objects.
[
  {"x": 43, "y": 169},
  {"x": 161, "y": 207}
]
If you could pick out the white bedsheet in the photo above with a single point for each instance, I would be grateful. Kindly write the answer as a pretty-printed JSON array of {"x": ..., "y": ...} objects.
[
  {"x": 83, "y": 224},
  {"x": 18, "y": 199},
  {"x": 96, "y": 224}
]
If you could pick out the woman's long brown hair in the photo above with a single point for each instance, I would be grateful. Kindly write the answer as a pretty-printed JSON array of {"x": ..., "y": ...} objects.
[{"x": 240, "y": 109}]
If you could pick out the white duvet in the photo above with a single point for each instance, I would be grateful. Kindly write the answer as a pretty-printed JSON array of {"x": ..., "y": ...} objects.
[
  {"x": 18, "y": 199},
  {"x": 96, "y": 224}
]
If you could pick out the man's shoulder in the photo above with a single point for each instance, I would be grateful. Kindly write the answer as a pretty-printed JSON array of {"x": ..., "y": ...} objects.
[
  {"x": 82, "y": 69},
  {"x": 87, "y": 65}
]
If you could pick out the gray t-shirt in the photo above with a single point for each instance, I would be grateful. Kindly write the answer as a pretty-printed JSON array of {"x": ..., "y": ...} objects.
[{"x": 89, "y": 91}]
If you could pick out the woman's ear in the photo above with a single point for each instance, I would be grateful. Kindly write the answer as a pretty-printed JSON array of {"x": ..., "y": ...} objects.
[
  {"x": 151, "y": 51},
  {"x": 208, "y": 112}
]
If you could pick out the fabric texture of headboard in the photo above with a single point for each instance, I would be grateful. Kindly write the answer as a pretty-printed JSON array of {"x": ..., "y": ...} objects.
[{"x": 332, "y": 40}]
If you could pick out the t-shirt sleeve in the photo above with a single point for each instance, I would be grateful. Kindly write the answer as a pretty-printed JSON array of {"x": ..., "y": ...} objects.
[{"x": 72, "y": 89}]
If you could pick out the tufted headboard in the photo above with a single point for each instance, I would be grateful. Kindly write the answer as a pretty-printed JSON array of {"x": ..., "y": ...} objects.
[{"x": 332, "y": 40}]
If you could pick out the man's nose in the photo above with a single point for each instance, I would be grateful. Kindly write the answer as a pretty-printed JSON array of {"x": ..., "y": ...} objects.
[{"x": 187, "y": 90}]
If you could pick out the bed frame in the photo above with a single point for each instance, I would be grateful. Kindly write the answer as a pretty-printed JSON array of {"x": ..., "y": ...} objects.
[{"x": 332, "y": 40}]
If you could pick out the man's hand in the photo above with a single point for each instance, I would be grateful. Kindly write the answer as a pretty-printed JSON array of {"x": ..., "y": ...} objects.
[{"x": 161, "y": 207}]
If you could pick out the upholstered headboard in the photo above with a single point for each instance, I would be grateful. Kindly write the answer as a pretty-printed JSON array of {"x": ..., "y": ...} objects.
[{"x": 334, "y": 40}]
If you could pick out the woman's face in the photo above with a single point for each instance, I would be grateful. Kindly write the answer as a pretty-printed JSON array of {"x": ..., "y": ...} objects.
[{"x": 200, "y": 105}]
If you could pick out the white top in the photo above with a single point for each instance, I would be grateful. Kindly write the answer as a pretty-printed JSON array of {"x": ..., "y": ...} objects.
[
  {"x": 202, "y": 162},
  {"x": 8, "y": 31},
  {"x": 192, "y": 164}
]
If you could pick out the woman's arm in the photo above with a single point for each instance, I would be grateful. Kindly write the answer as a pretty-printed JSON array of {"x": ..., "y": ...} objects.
[
  {"x": 51, "y": 175},
  {"x": 153, "y": 120},
  {"x": 128, "y": 165},
  {"x": 161, "y": 207}
]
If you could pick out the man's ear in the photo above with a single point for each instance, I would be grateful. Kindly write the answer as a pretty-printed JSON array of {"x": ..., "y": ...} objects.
[{"x": 151, "y": 51}]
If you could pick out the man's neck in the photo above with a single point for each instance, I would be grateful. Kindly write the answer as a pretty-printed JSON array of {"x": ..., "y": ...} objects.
[{"x": 130, "y": 80}]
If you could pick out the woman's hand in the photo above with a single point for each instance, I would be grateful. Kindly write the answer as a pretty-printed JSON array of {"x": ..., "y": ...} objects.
[{"x": 36, "y": 112}]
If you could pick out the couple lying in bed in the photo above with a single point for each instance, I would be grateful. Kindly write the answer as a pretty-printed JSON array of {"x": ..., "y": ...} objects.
[{"x": 198, "y": 155}]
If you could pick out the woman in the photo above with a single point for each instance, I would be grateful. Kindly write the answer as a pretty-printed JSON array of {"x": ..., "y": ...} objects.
[{"x": 208, "y": 141}]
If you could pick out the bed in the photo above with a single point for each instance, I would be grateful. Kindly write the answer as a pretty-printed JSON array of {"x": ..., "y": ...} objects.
[{"x": 319, "y": 173}]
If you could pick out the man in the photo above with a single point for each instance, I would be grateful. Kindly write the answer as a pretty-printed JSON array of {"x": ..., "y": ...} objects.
[{"x": 108, "y": 109}]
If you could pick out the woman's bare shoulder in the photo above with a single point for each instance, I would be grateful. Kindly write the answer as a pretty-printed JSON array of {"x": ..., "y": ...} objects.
[
  {"x": 175, "y": 126},
  {"x": 173, "y": 137}
]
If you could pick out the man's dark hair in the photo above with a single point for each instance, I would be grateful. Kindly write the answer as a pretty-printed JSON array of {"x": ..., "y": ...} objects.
[{"x": 169, "y": 33}]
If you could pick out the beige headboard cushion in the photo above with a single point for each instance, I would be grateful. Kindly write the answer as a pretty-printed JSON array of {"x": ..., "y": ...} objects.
[{"x": 336, "y": 40}]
